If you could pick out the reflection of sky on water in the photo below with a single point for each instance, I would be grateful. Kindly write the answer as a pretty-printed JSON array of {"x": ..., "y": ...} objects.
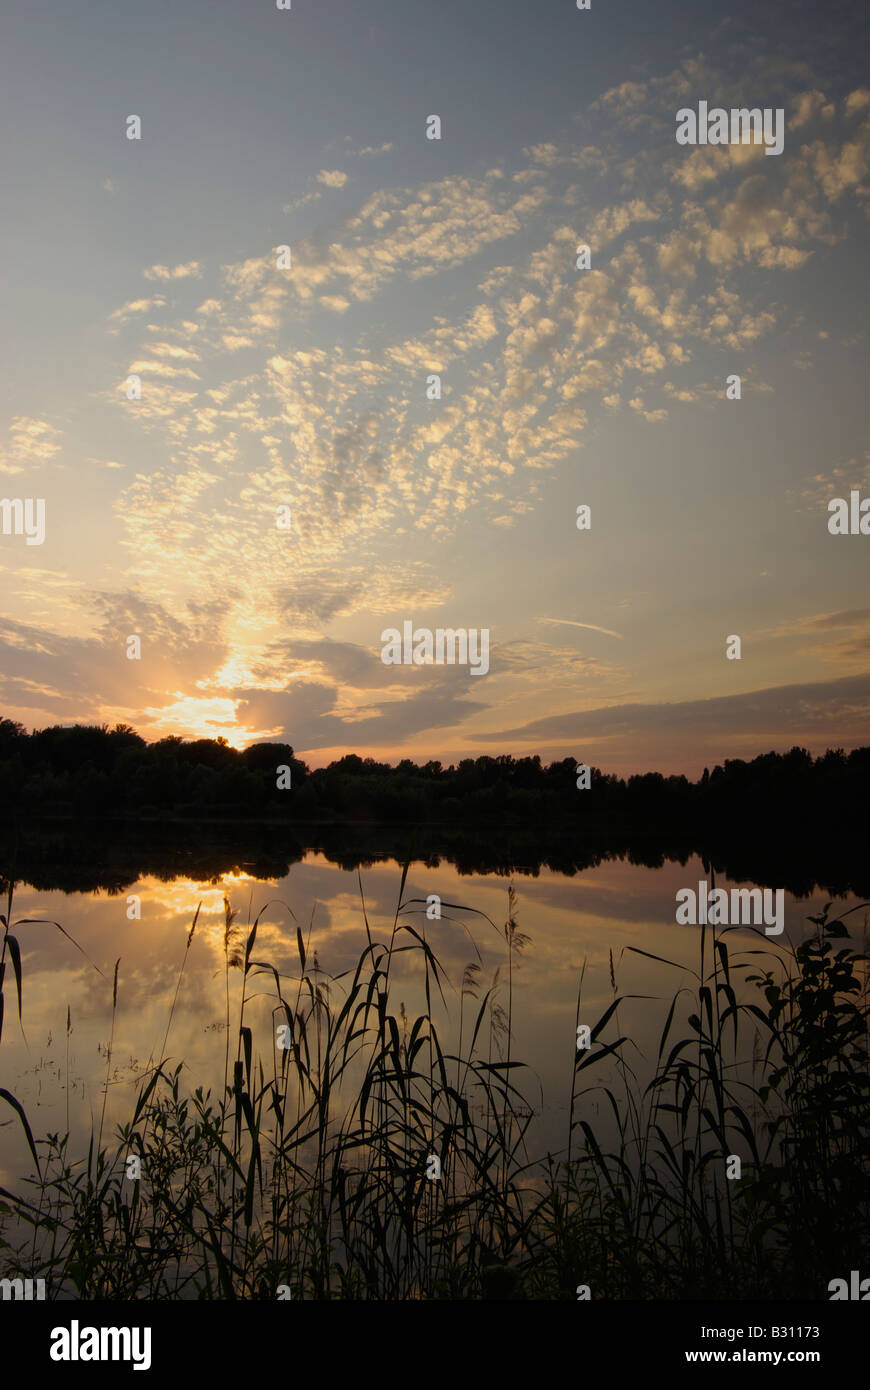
[{"x": 607, "y": 909}]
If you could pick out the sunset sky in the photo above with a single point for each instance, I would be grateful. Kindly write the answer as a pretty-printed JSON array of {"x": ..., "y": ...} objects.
[{"x": 306, "y": 386}]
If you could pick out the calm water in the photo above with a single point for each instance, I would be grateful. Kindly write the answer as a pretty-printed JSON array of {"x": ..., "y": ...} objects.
[{"x": 569, "y": 919}]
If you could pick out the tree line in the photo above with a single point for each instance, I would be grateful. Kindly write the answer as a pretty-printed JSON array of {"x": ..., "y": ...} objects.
[{"x": 78, "y": 771}]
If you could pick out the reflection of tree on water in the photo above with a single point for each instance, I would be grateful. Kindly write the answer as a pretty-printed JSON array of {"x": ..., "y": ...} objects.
[
  {"x": 93, "y": 808},
  {"x": 114, "y": 855},
  {"x": 314, "y": 1168}
]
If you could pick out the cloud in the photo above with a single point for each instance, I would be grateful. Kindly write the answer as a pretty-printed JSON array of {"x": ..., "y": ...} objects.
[
  {"x": 31, "y": 441},
  {"x": 163, "y": 369},
  {"x": 327, "y": 178},
  {"x": 305, "y": 715},
  {"x": 828, "y": 630},
  {"x": 569, "y": 622},
  {"x": 809, "y": 106},
  {"x": 815, "y": 492},
  {"x": 628, "y": 96},
  {"x": 840, "y": 169},
  {"x": 137, "y": 306},
  {"x": 70, "y": 677},
  {"x": 173, "y": 350},
  {"x": 330, "y": 416},
  {"x": 858, "y": 100},
  {"x": 827, "y": 708},
  {"x": 178, "y": 272},
  {"x": 310, "y": 197},
  {"x": 651, "y": 416},
  {"x": 347, "y": 434},
  {"x": 821, "y": 622}
]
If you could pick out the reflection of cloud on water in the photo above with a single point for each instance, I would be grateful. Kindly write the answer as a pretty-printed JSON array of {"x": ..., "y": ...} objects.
[
  {"x": 182, "y": 896},
  {"x": 613, "y": 907}
]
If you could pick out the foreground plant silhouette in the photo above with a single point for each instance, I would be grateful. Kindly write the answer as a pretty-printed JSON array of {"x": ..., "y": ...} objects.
[
  {"x": 657, "y": 1216},
  {"x": 309, "y": 1173}
]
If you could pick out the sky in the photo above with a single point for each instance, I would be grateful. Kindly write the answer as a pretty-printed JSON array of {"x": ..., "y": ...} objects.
[{"x": 266, "y": 386}]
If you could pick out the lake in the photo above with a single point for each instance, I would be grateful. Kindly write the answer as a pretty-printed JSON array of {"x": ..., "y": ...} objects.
[{"x": 594, "y": 916}]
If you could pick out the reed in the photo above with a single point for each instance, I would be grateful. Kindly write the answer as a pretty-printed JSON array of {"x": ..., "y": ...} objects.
[{"x": 308, "y": 1171}]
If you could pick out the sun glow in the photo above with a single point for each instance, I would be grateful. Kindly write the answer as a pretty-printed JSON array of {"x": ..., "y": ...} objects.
[{"x": 193, "y": 717}]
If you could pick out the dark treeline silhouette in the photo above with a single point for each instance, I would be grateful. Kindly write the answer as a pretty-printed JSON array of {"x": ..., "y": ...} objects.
[
  {"x": 87, "y": 807},
  {"x": 113, "y": 855},
  {"x": 93, "y": 771}
]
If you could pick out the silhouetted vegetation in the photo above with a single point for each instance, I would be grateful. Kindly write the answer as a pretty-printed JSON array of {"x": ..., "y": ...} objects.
[
  {"x": 81, "y": 857},
  {"x": 87, "y": 771},
  {"x": 84, "y": 808},
  {"x": 312, "y": 1172}
]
